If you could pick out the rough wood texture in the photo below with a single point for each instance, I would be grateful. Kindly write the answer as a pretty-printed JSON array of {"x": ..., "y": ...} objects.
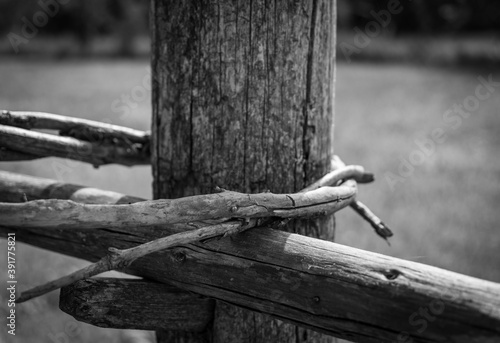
[
  {"x": 142, "y": 305},
  {"x": 57, "y": 213},
  {"x": 14, "y": 186},
  {"x": 350, "y": 293},
  {"x": 43, "y": 145},
  {"x": 243, "y": 99},
  {"x": 346, "y": 292},
  {"x": 75, "y": 127}
]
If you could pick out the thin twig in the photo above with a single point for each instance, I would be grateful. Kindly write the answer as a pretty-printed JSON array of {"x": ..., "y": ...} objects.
[
  {"x": 344, "y": 172},
  {"x": 378, "y": 225}
]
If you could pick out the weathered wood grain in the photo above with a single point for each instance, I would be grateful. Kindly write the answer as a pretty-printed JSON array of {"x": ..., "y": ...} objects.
[
  {"x": 342, "y": 291},
  {"x": 15, "y": 186},
  {"x": 56, "y": 213},
  {"x": 346, "y": 292},
  {"x": 139, "y": 304},
  {"x": 80, "y": 128},
  {"x": 243, "y": 99},
  {"x": 75, "y": 299},
  {"x": 44, "y": 144}
]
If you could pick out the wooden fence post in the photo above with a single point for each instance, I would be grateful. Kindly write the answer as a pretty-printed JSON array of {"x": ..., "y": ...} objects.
[{"x": 243, "y": 99}]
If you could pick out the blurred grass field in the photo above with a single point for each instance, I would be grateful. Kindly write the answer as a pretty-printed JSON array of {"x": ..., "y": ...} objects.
[{"x": 444, "y": 214}]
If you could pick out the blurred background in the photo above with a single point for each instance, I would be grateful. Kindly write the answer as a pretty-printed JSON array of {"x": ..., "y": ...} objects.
[{"x": 407, "y": 108}]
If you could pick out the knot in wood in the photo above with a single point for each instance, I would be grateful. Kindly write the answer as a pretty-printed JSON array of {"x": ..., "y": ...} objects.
[{"x": 179, "y": 256}]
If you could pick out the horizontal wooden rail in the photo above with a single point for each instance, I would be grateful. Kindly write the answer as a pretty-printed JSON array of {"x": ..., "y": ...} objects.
[
  {"x": 138, "y": 304},
  {"x": 45, "y": 145},
  {"x": 74, "y": 127},
  {"x": 346, "y": 292},
  {"x": 79, "y": 139},
  {"x": 18, "y": 188}
]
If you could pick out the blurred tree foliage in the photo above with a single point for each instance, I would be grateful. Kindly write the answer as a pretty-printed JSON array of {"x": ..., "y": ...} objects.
[
  {"x": 84, "y": 19},
  {"x": 125, "y": 20},
  {"x": 89, "y": 18},
  {"x": 425, "y": 16}
]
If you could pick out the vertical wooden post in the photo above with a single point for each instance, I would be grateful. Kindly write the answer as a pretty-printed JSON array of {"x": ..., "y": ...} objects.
[{"x": 243, "y": 99}]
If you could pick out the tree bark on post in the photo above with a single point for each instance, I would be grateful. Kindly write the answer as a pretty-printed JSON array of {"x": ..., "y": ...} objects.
[{"x": 243, "y": 99}]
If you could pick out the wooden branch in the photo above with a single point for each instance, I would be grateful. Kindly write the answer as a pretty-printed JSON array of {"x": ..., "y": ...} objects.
[
  {"x": 343, "y": 172},
  {"x": 121, "y": 259},
  {"x": 14, "y": 186},
  {"x": 69, "y": 214},
  {"x": 377, "y": 224},
  {"x": 364, "y": 211},
  {"x": 84, "y": 129},
  {"x": 139, "y": 304},
  {"x": 346, "y": 292},
  {"x": 43, "y": 144}
]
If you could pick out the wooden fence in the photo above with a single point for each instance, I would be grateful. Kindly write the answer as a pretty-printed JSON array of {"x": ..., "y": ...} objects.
[
  {"x": 243, "y": 97},
  {"x": 334, "y": 289}
]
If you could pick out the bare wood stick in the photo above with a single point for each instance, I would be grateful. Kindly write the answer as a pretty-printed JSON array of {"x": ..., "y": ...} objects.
[
  {"x": 65, "y": 124},
  {"x": 120, "y": 259},
  {"x": 68, "y": 214},
  {"x": 357, "y": 173},
  {"x": 13, "y": 185},
  {"x": 378, "y": 225},
  {"x": 364, "y": 211},
  {"x": 43, "y": 144}
]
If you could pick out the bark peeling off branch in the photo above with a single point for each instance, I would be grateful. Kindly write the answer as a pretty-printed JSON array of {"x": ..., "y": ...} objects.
[{"x": 68, "y": 214}]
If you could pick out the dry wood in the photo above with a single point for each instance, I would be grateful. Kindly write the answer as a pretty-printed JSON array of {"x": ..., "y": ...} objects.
[
  {"x": 131, "y": 303},
  {"x": 160, "y": 305},
  {"x": 68, "y": 214},
  {"x": 346, "y": 292},
  {"x": 84, "y": 129},
  {"x": 121, "y": 259},
  {"x": 43, "y": 144},
  {"x": 13, "y": 186},
  {"x": 377, "y": 224}
]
